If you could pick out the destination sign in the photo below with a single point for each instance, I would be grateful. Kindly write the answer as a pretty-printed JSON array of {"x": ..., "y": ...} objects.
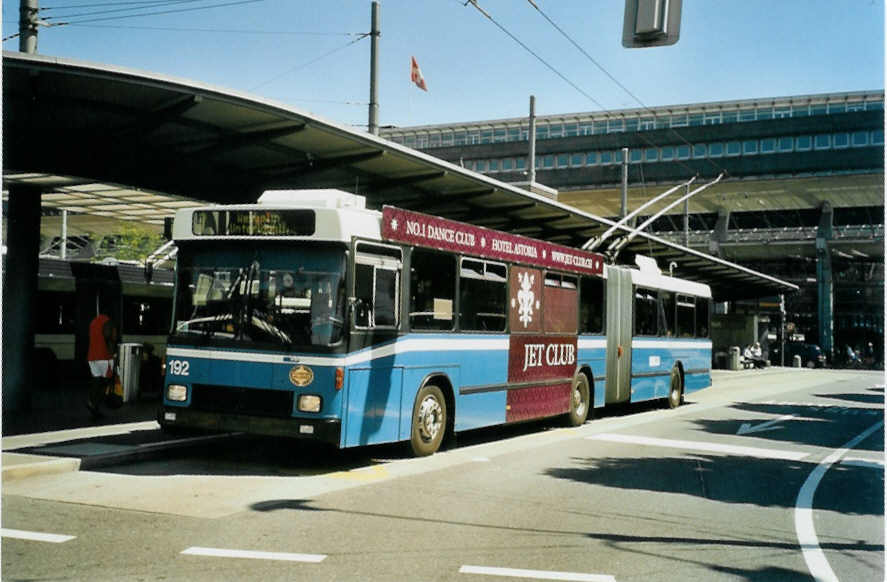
[{"x": 430, "y": 231}]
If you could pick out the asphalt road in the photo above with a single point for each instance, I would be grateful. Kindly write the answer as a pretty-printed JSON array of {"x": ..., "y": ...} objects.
[{"x": 769, "y": 475}]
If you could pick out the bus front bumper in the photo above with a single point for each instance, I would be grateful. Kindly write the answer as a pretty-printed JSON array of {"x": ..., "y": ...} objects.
[{"x": 323, "y": 430}]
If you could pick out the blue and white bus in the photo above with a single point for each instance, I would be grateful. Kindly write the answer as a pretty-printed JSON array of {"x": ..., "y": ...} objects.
[{"x": 308, "y": 315}]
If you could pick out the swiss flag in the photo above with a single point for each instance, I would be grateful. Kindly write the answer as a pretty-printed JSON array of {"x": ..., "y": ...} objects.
[{"x": 416, "y": 75}]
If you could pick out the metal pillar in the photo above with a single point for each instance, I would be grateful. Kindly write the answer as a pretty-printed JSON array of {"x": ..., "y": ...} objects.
[
  {"x": 720, "y": 234},
  {"x": 20, "y": 297},
  {"x": 824, "y": 284},
  {"x": 374, "y": 65}
]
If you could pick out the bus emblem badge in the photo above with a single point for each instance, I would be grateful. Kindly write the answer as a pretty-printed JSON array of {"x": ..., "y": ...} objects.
[{"x": 301, "y": 376}]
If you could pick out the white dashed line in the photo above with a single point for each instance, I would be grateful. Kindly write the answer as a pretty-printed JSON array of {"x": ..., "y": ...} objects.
[
  {"x": 536, "y": 574},
  {"x": 35, "y": 536},
  {"x": 756, "y": 452},
  {"x": 253, "y": 555}
]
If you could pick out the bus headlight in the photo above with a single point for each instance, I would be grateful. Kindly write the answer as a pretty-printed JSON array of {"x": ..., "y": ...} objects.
[
  {"x": 177, "y": 392},
  {"x": 309, "y": 403}
]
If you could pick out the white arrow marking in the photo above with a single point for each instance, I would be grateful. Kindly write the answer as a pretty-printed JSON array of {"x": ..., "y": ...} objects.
[{"x": 747, "y": 428}]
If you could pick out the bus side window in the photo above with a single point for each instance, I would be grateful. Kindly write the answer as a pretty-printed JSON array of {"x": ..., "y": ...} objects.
[
  {"x": 363, "y": 293},
  {"x": 665, "y": 313},
  {"x": 645, "y": 312},
  {"x": 385, "y": 307},
  {"x": 686, "y": 316},
  {"x": 377, "y": 287},
  {"x": 591, "y": 305},
  {"x": 432, "y": 290},
  {"x": 482, "y": 295},
  {"x": 703, "y": 308}
]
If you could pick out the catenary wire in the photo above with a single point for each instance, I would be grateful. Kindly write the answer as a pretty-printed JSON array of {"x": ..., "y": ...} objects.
[
  {"x": 564, "y": 77},
  {"x": 311, "y": 62},
  {"x": 122, "y": 3},
  {"x": 122, "y": 7},
  {"x": 529, "y": 50},
  {"x": 218, "y": 30},
  {"x": 613, "y": 78},
  {"x": 180, "y": 10}
]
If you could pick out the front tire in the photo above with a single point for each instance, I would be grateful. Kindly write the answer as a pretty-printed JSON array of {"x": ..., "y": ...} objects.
[
  {"x": 676, "y": 390},
  {"x": 429, "y": 421},
  {"x": 580, "y": 401}
]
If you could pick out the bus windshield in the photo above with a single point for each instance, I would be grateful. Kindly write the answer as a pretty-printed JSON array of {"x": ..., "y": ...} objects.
[{"x": 282, "y": 297}]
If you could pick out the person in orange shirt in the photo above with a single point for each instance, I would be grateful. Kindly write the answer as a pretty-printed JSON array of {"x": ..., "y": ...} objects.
[{"x": 100, "y": 357}]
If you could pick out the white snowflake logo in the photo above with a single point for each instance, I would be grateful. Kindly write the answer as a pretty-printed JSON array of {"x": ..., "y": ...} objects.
[
  {"x": 394, "y": 224},
  {"x": 526, "y": 297}
]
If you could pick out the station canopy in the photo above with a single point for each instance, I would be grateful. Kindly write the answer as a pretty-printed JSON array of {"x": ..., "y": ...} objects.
[{"x": 104, "y": 140}]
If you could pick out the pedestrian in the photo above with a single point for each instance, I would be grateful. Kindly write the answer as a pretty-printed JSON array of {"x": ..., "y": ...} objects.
[
  {"x": 757, "y": 356},
  {"x": 100, "y": 357}
]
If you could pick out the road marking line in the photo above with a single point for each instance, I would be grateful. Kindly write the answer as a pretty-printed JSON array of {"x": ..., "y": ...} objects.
[
  {"x": 865, "y": 463},
  {"x": 698, "y": 446},
  {"x": 806, "y": 531},
  {"x": 224, "y": 553},
  {"x": 537, "y": 574},
  {"x": 35, "y": 536},
  {"x": 362, "y": 474}
]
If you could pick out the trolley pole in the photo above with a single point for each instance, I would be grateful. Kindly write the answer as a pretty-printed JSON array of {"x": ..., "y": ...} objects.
[
  {"x": 687, "y": 219},
  {"x": 27, "y": 26},
  {"x": 374, "y": 65}
]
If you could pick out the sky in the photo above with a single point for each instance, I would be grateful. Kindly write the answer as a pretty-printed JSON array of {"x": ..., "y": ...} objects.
[{"x": 311, "y": 55}]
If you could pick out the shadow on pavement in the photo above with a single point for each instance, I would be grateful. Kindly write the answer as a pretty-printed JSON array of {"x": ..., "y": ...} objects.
[
  {"x": 729, "y": 479},
  {"x": 806, "y": 428}
]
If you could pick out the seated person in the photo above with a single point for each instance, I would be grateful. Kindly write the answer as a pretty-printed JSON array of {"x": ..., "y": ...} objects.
[{"x": 757, "y": 356}]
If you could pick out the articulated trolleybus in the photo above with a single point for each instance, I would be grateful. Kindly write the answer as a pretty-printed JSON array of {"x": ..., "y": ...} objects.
[{"x": 308, "y": 315}]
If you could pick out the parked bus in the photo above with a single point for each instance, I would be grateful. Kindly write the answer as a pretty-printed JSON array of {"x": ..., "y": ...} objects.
[
  {"x": 70, "y": 293},
  {"x": 308, "y": 315}
]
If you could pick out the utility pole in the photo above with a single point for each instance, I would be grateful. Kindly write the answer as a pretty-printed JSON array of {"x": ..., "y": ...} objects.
[
  {"x": 374, "y": 65},
  {"x": 623, "y": 209},
  {"x": 531, "y": 162},
  {"x": 27, "y": 26}
]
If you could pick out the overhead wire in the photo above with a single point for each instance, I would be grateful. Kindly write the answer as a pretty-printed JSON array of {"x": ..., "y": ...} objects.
[
  {"x": 121, "y": 3},
  {"x": 529, "y": 50},
  {"x": 119, "y": 7},
  {"x": 219, "y": 30},
  {"x": 613, "y": 78},
  {"x": 604, "y": 109},
  {"x": 157, "y": 13},
  {"x": 311, "y": 62}
]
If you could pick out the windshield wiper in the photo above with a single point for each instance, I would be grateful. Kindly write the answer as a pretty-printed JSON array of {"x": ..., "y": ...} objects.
[{"x": 254, "y": 321}]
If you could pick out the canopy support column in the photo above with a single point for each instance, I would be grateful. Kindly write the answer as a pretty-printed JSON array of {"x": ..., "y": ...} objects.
[{"x": 20, "y": 297}]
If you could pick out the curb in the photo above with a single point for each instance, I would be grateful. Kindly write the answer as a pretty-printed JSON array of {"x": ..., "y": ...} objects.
[{"x": 20, "y": 466}]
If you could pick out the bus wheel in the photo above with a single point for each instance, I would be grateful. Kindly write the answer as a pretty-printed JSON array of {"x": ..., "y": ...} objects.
[
  {"x": 429, "y": 421},
  {"x": 676, "y": 391},
  {"x": 580, "y": 401}
]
